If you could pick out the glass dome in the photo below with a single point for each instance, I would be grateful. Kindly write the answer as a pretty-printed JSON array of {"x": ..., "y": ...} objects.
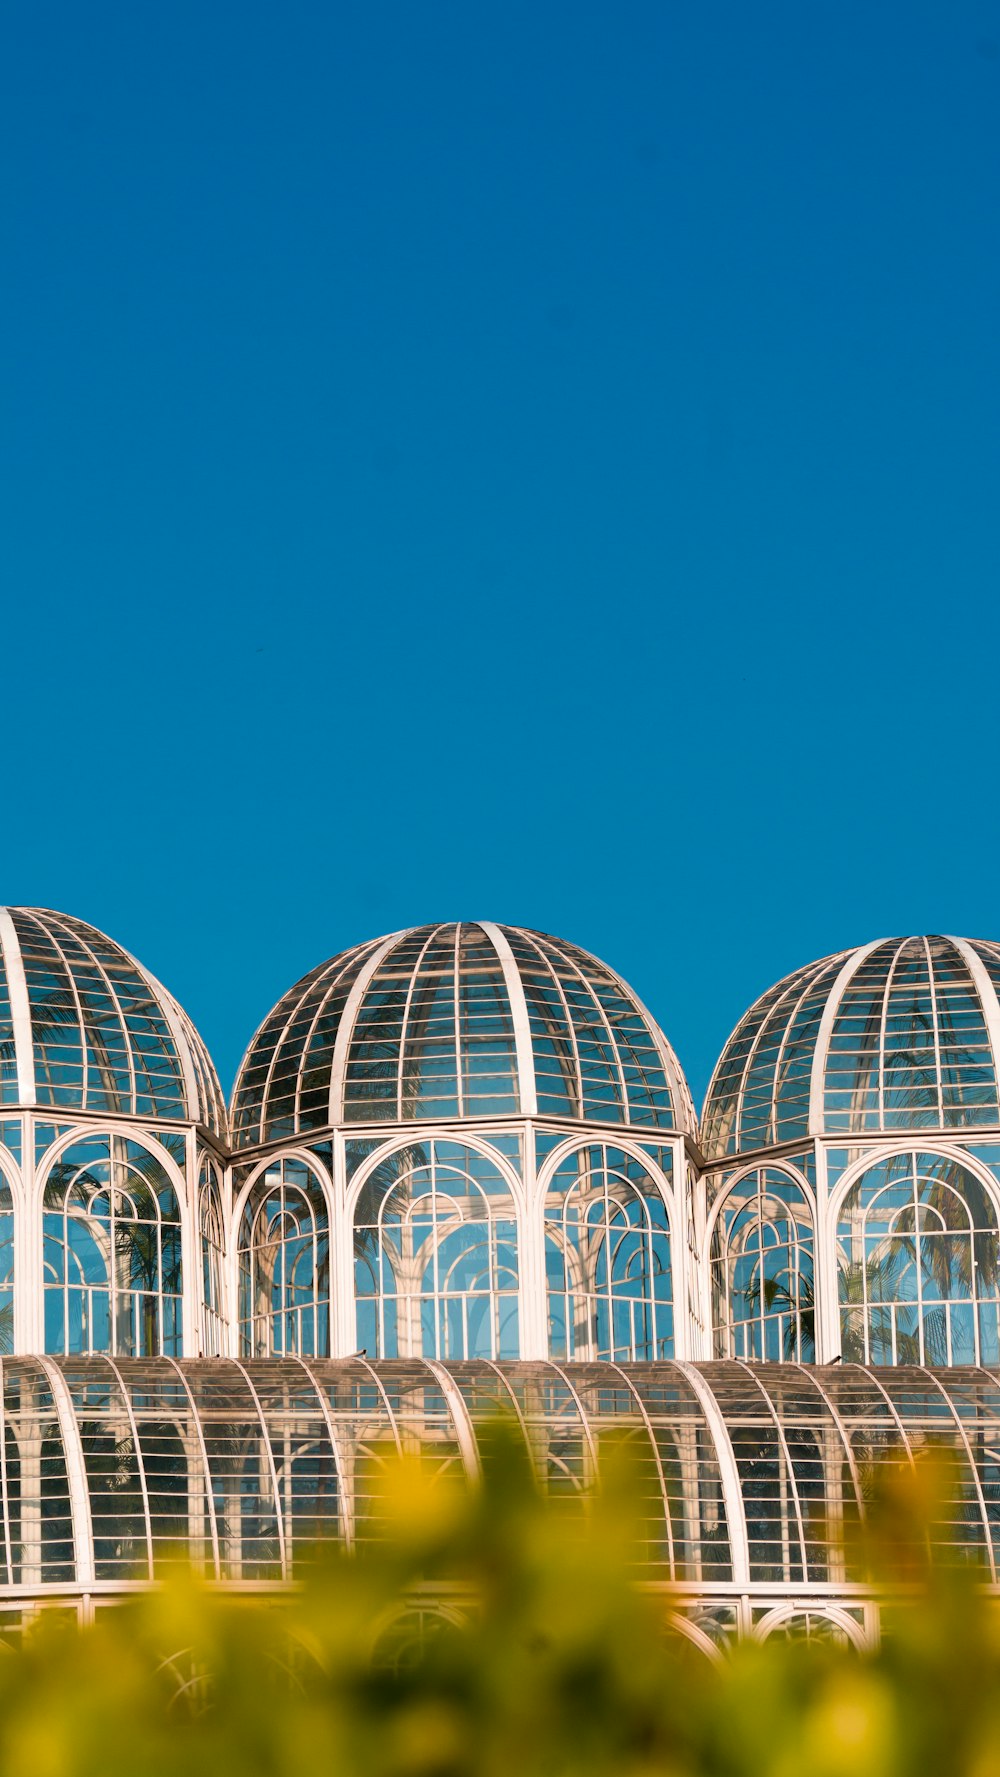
[
  {"x": 84, "y": 1027},
  {"x": 901, "y": 1034},
  {"x": 458, "y": 1021}
]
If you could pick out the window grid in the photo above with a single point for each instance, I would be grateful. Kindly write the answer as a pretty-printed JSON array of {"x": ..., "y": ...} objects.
[
  {"x": 608, "y": 1262},
  {"x": 112, "y": 1251},
  {"x": 436, "y": 1256}
]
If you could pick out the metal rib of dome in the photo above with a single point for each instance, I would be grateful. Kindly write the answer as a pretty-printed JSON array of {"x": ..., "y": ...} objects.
[
  {"x": 458, "y": 1021},
  {"x": 84, "y": 1027},
  {"x": 901, "y": 1034}
]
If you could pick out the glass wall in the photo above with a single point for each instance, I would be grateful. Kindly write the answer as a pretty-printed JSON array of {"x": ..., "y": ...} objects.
[
  {"x": 744, "y": 1482},
  {"x": 436, "y": 1255},
  {"x": 284, "y": 1264},
  {"x": 112, "y": 1251},
  {"x": 918, "y": 1264},
  {"x": 607, "y": 1259},
  {"x": 763, "y": 1299}
]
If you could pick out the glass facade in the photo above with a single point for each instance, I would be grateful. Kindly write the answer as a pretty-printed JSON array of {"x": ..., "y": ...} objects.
[
  {"x": 748, "y": 1476},
  {"x": 465, "y": 1174},
  {"x": 918, "y": 1264},
  {"x": 96, "y": 1031},
  {"x": 112, "y": 1251},
  {"x": 886, "y": 1060},
  {"x": 894, "y": 1036},
  {"x": 607, "y": 1259},
  {"x": 762, "y": 1269},
  {"x": 284, "y": 1264},
  {"x": 436, "y": 1255}
]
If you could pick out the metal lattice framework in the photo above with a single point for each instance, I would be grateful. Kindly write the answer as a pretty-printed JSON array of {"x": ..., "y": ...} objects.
[
  {"x": 458, "y": 1021},
  {"x": 897, "y": 1035},
  {"x": 84, "y": 1027},
  {"x": 748, "y": 1475}
]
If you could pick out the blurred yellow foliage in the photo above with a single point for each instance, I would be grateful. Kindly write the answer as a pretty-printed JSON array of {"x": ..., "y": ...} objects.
[{"x": 481, "y": 1631}]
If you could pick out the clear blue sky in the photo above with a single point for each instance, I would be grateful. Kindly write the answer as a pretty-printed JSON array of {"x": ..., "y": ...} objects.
[{"x": 534, "y": 462}]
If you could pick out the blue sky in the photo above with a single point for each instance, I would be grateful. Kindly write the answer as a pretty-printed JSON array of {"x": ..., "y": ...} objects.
[{"x": 531, "y": 463}]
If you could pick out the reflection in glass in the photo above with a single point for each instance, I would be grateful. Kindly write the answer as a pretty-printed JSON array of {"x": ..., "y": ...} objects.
[
  {"x": 918, "y": 1264},
  {"x": 607, "y": 1259},
  {"x": 284, "y": 1262},
  {"x": 440, "y": 1021},
  {"x": 763, "y": 1299},
  {"x": 909, "y": 1046},
  {"x": 112, "y": 1251},
  {"x": 435, "y": 1256}
]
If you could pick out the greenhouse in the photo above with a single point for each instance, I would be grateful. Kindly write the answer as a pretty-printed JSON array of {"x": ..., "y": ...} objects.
[
  {"x": 752, "y": 1480},
  {"x": 462, "y": 1171}
]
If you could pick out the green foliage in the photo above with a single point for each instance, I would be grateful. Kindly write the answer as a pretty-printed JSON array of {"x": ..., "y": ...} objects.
[{"x": 482, "y": 1632}]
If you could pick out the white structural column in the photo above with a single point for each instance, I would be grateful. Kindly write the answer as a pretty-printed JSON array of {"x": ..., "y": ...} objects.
[
  {"x": 343, "y": 1316},
  {"x": 533, "y": 1324},
  {"x": 697, "y": 1260},
  {"x": 345, "y": 1029},
  {"x": 29, "y": 1297},
  {"x": 682, "y": 1282},
  {"x": 229, "y": 1265},
  {"x": 825, "y": 1285},
  {"x": 532, "y": 1309},
  {"x": 523, "y": 1049},
  {"x": 191, "y": 1273},
  {"x": 827, "y": 1323}
]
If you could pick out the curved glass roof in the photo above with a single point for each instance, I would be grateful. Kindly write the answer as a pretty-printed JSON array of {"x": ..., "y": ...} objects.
[
  {"x": 901, "y": 1034},
  {"x": 240, "y": 1466},
  {"x": 457, "y": 1021},
  {"x": 84, "y": 1027}
]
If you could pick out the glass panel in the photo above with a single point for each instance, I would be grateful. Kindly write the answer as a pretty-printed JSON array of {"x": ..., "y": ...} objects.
[
  {"x": 608, "y": 1272},
  {"x": 436, "y": 1255},
  {"x": 919, "y": 1267},
  {"x": 112, "y": 1251},
  {"x": 284, "y": 1264},
  {"x": 763, "y": 1294}
]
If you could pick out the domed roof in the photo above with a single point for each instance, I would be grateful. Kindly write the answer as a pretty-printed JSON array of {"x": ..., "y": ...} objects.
[
  {"x": 84, "y": 1027},
  {"x": 900, "y": 1034},
  {"x": 446, "y": 1021}
]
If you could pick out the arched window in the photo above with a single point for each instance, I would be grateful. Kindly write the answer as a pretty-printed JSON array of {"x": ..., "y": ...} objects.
[
  {"x": 112, "y": 1234},
  {"x": 763, "y": 1301},
  {"x": 213, "y": 1316},
  {"x": 284, "y": 1260},
  {"x": 435, "y": 1256},
  {"x": 918, "y": 1270},
  {"x": 607, "y": 1259}
]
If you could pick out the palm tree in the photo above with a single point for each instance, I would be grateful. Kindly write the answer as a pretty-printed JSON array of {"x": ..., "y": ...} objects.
[
  {"x": 800, "y": 1306},
  {"x": 869, "y": 1285}
]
